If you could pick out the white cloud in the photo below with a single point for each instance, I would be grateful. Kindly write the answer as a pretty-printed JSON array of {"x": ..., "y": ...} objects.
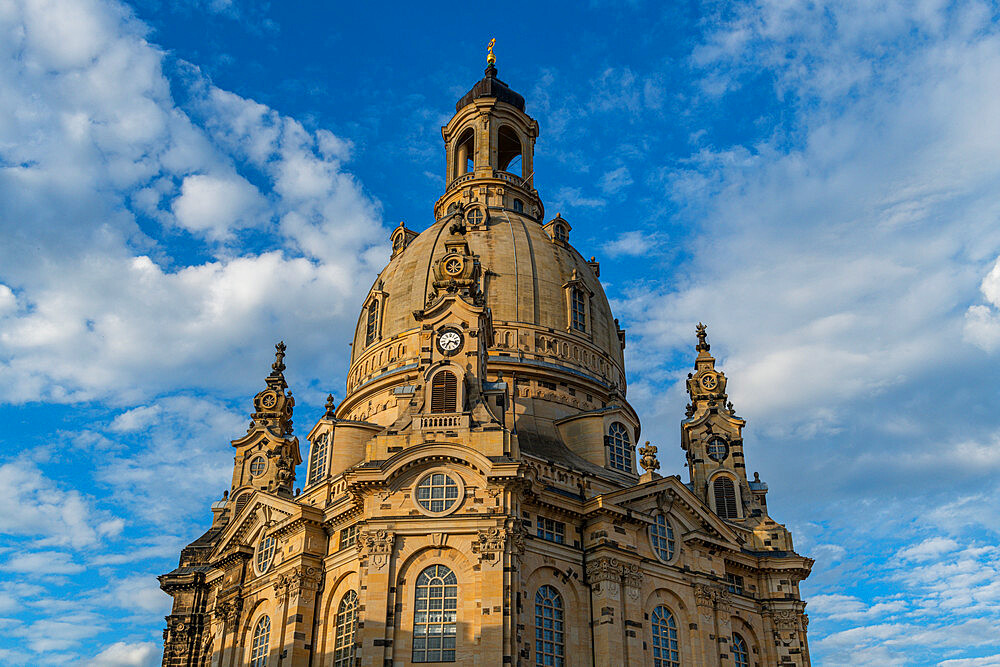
[
  {"x": 42, "y": 563},
  {"x": 633, "y": 243},
  {"x": 96, "y": 143},
  {"x": 616, "y": 180},
  {"x": 930, "y": 548},
  {"x": 217, "y": 205},
  {"x": 982, "y": 322},
  {"x": 123, "y": 654},
  {"x": 32, "y": 505}
]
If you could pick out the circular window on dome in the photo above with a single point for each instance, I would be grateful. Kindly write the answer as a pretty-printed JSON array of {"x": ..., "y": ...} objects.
[
  {"x": 453, "y": 266},
  {"x": 438, "y": 493},
  {"x": 718, "y": 449},
  {"x": 475, "y": 217},
  {"x": 257, "y": 466},
  {"x": 265, "y": 553}
]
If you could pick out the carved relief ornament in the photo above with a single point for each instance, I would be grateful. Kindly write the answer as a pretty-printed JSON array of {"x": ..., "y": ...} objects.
[{"x": 376, "y": 545}]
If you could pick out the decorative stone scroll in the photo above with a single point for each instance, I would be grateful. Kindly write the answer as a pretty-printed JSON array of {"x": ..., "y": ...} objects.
[
  {"x": 489, "y": 544},
  {"x": 230, "y": 610},
  {"x": 376, "y": 545}
]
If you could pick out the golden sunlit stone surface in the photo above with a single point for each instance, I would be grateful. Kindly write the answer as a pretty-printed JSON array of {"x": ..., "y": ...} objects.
[{"x": 475, "y": 497}]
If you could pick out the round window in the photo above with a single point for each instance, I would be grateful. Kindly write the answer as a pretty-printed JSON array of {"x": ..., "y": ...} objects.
[
  {"x": 718, "y": 449},
  {"x": 437, "y": 492},
  {"x": 257, "y": 466},
  {"x": 475, "y": 217},
  {"x": 265, "y": 553}
]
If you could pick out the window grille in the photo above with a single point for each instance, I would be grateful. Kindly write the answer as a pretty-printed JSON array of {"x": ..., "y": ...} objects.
[
  {"x": 550, "y": 648},
  {"x": 348, "y": 536},
  {"x": 734, "y": 583},
  {"x": 579, "y": 307},
  {"x": 435, "y": 615},
  {"x": 561, "y": 233},
  {"x": 372, "y": 329},
  {"x": 553, "y": 531},
  {"x": 437, "y": 492},
  {"x": 444, "y": 392},
  {"x": 619, "y": 447},
  {"x": 661, "y": 533},
  {"x": 741, "y": 656},
  {"x": 260, "y": 643},
  {"x": 666, "y": 650},
  {"x": 343, "y": 646},
  {"x": 725, "y": 498},
  {"x": 257, "y": 466},
  {"x": 265, "y": 553},
  {"x": 317, "y": 466}
]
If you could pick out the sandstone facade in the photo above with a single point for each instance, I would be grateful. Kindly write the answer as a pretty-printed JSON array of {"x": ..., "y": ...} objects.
[{"x": 478, "y": 495}]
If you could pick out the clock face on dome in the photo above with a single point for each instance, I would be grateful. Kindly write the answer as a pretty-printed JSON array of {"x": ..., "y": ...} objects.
[{"x": 449, "y": 341}]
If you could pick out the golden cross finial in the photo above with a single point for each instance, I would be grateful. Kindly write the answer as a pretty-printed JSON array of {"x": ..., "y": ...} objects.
[{"x": 490, "y": 58}]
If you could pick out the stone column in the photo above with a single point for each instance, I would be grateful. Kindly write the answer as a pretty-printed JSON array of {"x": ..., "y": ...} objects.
[
  {"x": 375, "y": 548},
  {"x": 633, "y": 615},
  {"x": 604, "y": 575}
]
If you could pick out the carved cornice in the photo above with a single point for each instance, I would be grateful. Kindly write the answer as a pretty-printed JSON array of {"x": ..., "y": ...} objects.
[{"x": 303, "y": 578}]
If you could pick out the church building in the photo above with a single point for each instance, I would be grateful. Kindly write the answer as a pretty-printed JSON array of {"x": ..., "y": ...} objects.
[{"x": 480, "y": 495}]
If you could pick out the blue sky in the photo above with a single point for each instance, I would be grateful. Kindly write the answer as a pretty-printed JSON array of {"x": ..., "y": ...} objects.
[{"x": 184, "y": 183}]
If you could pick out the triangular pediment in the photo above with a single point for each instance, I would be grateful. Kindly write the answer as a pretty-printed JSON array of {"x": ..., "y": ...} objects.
[
  {"x": 263, "y": 509},
  {"x": 669, "y": 494}
]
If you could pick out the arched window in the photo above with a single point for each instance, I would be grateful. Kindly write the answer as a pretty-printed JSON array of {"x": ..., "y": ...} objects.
[
  {"x": 509, "y": 151},
  {"x": 741, "y": 656},
  {"x": 518, "y": 206},
  {"x": 435, "y": 615},
  {"x": 550, "y": 647},
  {"x": 397, "y": 242},
  {"x": 725, "y": 498},
  {"x": 260, "y": 643},
  {"x": 371, "y": 331},
  {"x": 579, "y": 308},
  {"x": 444, "y": 392},
  {"x": 465, "y": 151},
  {"x": 666, "y": 650},
  {"x": 561, "y": 234},
  {"x": 661, "y": 534},
  {"x": 265, "y": 553},
  {"x": 317, "y": 456},
  {"x": 347, "y": 621},
  {"x": 619, "y": 447}
]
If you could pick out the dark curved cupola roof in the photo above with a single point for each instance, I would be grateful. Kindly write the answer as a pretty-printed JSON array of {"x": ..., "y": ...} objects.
[{"x": 491, "y": 86}]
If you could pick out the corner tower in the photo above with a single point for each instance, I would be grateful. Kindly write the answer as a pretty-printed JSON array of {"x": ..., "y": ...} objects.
[{"x": 474, "y": 497}]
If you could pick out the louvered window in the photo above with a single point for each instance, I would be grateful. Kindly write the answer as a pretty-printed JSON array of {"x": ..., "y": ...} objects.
[
  {"x": 444, "y": 392},
  {"x": 372, "y": 329},
  {"x": 725, "y": 498}
]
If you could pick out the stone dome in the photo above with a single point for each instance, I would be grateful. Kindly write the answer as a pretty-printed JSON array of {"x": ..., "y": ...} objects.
[{"x": 526, "y": 273}]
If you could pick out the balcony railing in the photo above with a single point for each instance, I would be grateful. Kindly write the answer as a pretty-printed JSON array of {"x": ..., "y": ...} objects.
[{"x": 435, "y": 422}]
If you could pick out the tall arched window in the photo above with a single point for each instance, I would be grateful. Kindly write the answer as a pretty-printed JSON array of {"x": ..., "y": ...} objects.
[
  {"x": 265, "y": 552},
  {"x": 371, "y": 331},
  {"x": 435, "y": 615},
  {"x": 725, "y": 498},
  {"x": 661, "y": 534},
  {"x": 509, "y": 156},
  {"x": 579, "y": 308},
  {"x": 317, "y": 459},
  {"x": 260, "y": 643},
  {"x": 741, "y": 656},
  {"x": 666, "y": 650},
  {"x": 444, "y": 392},
  {"x": 550, "y": 647},
  {"x": 347, "y": 621},
  {"x": 619, "y": 447},
  {"x": 465, "y": 150}
]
